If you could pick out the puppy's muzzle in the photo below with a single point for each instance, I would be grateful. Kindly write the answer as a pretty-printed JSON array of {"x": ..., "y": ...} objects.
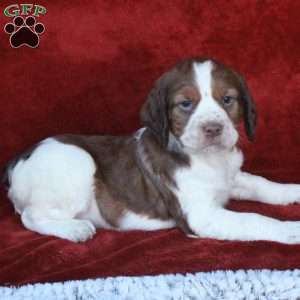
[{"x": 212, "y": 129}]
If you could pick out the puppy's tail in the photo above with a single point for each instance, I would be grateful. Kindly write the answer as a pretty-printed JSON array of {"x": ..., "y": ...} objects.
[
  {"x": 8, "y": 169},
  {"x": 6, "y": 173}
]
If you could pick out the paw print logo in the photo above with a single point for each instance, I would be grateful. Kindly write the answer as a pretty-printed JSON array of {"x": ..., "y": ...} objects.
[{"x": 24, "y": 32}]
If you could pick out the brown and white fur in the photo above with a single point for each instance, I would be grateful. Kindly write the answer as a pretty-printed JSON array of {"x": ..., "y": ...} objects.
[{"x": 179, "y": 170}]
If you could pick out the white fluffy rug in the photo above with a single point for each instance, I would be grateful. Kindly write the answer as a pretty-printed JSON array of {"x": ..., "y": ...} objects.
[{"x": 265, "y": 284}]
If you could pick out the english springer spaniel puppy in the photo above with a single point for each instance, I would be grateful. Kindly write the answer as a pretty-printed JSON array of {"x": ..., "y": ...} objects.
[{"x": 180, "y": 169}]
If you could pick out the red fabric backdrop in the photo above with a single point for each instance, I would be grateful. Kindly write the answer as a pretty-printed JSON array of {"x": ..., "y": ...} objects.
[{"x": 94, "y": 66}]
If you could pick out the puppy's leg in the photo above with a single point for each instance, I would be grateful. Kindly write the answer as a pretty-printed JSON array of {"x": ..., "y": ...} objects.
[
  {"x": 251, "y": 187},
  {"x": 58, "y": 223},
  {"x": 224, "y": 224}
]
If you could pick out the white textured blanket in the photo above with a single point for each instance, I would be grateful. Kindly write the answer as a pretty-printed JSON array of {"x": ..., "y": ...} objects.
[{"x": 251, "y": 284}]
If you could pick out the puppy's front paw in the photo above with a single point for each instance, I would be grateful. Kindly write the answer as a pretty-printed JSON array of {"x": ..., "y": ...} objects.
[
  {"x": 292, "y": 193},
  {"x": 77, "y": 231},
  {"x": 291, "y": 233}
]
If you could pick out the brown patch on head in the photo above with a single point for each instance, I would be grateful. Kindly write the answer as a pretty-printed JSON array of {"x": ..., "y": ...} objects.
[
  {"x": 164, "y": 112},
  {"x": 183, "y": 91},
  {"x": 230, "y": 90},
  {"x": 178, "y": 115},
  {"x": 225, "y": 84}
]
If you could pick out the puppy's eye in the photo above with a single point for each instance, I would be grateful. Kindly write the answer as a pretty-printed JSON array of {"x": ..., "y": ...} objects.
[
  {"x": 186, "y": 105},
  {"x": 228, "y": 100}
]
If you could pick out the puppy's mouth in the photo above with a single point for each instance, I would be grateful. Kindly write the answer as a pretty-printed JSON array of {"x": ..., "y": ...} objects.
[
  {"x": 206, "y": 144},
  {"x": 212, "y": 141}
]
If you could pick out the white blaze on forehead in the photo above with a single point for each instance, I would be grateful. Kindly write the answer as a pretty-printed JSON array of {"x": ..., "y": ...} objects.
[
  {"x": 203, "y": 78},
  {"x": 208, "y": 108}
]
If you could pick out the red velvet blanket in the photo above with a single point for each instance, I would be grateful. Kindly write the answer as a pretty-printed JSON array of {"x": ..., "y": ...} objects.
[{"x": 94, "y": 65}]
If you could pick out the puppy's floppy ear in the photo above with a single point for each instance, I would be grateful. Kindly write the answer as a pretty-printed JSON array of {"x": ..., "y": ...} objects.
[
  {"x": 249, "y": 110},
  {"x": 154, "y": 113}
]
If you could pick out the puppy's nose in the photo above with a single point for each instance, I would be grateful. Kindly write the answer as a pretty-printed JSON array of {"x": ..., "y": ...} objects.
[{"x": 212, "y": 129}]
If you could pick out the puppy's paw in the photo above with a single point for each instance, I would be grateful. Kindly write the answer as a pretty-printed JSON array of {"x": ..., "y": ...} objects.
[
  {"x": 291, "y": 233},
  {"x": 77, "y": 231},
  {"x": 291, "y": 192}
]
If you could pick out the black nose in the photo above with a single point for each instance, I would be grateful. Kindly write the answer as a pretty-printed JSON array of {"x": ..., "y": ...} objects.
[{"x": 212, "y": 129}]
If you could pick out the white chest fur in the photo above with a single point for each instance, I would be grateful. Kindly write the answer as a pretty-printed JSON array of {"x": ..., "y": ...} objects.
[{"x": 208, "y": 180}]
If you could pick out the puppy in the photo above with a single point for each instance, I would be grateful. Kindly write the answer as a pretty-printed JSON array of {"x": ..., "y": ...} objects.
[{"x": 180, "y": 169}]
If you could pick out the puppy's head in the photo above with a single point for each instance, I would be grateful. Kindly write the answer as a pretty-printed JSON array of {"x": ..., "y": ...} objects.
[{"x": 199, "y": 103}]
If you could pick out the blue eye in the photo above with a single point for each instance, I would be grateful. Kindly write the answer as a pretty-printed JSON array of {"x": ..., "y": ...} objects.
[
  {"x": 186, "y": 105},
  {"x": 228, "y": 100}
]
